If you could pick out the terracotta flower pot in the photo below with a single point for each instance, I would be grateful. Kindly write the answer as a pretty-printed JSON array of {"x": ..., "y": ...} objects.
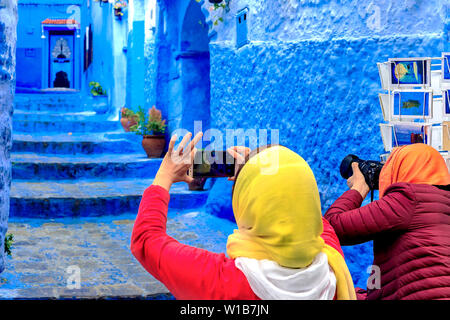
[
  {"x": 153, "y": 145},
  {"x": 127, "y": 123}
]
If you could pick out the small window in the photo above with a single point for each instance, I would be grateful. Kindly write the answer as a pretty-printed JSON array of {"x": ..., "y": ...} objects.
[
  {"x": 241, "y": 28},
  {"x": 88, "y": 47}
]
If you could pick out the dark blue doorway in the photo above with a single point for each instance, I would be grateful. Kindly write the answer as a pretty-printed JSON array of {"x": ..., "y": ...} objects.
[{"x": 61, "y": 59}]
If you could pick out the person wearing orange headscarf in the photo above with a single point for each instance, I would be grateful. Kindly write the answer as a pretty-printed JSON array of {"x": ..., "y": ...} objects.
[
  {"x": 417, "y": 163},
  {"x": 282, "y": 247},
  {"x": 409, "y": 225}
]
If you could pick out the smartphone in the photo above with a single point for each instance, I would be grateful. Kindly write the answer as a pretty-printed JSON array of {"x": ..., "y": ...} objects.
[{"x": 212, "y": 164}]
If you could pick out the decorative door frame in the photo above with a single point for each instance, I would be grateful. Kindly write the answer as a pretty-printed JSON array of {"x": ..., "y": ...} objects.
[{"x": 77, "y": 58}]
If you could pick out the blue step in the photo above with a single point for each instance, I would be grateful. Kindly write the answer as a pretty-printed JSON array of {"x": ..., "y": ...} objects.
[
  {"x": 84, "y": 198},
  {"x": 52, "y": 116},
  {"x": 33, "y": 166},
  {"x": 60, "y": 102},
  {"x": 69, "y": 160},
  {"x": 76, "y": 144},
  {"x": 26, "y": 126}
]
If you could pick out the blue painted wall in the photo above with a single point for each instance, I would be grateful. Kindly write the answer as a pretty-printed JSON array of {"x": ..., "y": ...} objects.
[
  {"x": 8, "y": 21},
  {"x": 194, "y": 60},
  {"x": 136, "y": 69},
  {"x": 135, "y": 96},
  {"x": 310, "y": 71},
  {"x": 119, "y": 89},
  {"x": 100, "y": 16},
  {"x": 150, "y": 73}
]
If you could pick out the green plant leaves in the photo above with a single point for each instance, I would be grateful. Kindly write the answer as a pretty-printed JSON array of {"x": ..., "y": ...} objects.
[
  {"x": 96, "y": 89},
  {"x": 153, "y": 124},
  {"x": 9, "y": 239}
]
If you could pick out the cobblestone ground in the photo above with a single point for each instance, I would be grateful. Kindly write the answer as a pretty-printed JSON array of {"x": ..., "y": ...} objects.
[{"x": 44, "y": 250}]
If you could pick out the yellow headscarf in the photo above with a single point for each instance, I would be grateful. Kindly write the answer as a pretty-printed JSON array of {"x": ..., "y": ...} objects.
[{"x": 276, "y": 204}]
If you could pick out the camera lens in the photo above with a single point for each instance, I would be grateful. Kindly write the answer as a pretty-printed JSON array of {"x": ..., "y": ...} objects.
[{"x": 346, "y": 166}]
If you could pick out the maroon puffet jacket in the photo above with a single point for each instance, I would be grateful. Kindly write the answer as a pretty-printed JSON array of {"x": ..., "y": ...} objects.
[{"x": 410, "y": 229}]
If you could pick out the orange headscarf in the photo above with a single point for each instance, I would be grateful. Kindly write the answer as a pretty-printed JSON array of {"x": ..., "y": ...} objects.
[{"x": 415, "y": 163}]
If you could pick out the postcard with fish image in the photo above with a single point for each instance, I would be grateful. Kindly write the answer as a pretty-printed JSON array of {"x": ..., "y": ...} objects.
[
  {"x": 446, "y": 102},
  {"x": 412, "y": 104},
  {"x": 410, "y": 72},
  {"x": 445, "y": 67}
]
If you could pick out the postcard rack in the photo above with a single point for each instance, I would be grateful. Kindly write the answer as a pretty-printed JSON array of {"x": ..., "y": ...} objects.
[{"x": 416, "y": 102}]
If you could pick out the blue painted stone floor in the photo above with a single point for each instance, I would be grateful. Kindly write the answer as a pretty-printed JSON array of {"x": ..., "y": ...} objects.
[{"x": 44, "y": 249}]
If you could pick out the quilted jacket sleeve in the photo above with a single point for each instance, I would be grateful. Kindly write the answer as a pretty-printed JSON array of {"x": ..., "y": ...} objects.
[{"x": 354, "y": 225}]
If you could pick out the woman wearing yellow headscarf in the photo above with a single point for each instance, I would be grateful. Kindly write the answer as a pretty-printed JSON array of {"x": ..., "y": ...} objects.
[
  {"x": 282, "y": 248},
  {"x": 276, "y": 204}
]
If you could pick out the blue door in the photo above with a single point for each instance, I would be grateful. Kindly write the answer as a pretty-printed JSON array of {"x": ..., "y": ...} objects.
[{"x": 61, "y": 69}]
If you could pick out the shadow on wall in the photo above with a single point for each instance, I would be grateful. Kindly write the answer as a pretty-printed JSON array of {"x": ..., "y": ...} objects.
[
  {"x": 189, "y": 79},
  {"x": 195, "y": 68}
]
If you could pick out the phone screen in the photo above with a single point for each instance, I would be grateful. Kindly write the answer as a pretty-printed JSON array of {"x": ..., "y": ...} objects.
[{"x": 213, "y": 164}]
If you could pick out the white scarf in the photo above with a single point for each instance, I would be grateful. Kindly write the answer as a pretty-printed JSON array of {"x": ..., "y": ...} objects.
[{"x": 270, "y": 281}]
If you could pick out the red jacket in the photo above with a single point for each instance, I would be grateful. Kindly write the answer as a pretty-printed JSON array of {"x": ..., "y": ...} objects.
[
  {"x": 188, "y": 272},
  {"x": 410, "y": 229}
]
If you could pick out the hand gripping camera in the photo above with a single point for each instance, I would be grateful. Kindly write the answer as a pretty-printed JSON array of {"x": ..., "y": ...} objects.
[{"x": 370, "y": 170}]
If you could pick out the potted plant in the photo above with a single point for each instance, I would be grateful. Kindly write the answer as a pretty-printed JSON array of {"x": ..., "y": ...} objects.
[
  {"x": 96, "y": 89},
  {"x": 152, "y": 130},
  {"x": 128, "y": 118},
  {"x": 99, "y": 103},
  {"x": 119, "y": 5}
]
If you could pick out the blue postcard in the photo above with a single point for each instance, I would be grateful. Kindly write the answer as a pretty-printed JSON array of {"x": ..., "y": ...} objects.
[
  {"x": 409, "y": 72},
  {"x": 412, "y": 104},
  {"x": 405, "y": 134},
  {"x": 446, "y": 101},
  {"x": 446, "y": 66}
]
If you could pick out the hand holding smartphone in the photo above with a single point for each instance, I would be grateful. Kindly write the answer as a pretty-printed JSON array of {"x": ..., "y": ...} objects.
[{"x": 213, "y": 164}]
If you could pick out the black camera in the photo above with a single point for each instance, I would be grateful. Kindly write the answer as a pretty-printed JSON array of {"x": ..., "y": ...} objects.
[{"x": 370, "y": 170}]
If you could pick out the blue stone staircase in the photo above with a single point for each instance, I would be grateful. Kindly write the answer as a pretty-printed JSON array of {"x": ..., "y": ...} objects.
[{"x": 69, "y": 160}]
